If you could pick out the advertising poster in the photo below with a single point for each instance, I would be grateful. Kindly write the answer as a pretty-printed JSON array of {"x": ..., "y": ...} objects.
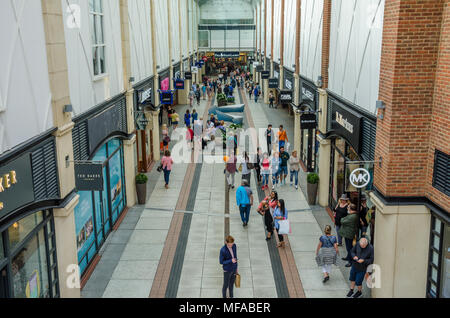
[
  {"x": 83, "y": 224},
  {"x": 116, "y": 182},
  {"x": 165, "y": 85}
]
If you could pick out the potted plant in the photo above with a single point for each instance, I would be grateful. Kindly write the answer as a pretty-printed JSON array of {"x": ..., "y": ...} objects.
[
  {"x": 313, "y": 183},
  {"x": 141, "y": 188},
  {"x": 222, "y": 100},
  {"x": 230, "y": 99}
]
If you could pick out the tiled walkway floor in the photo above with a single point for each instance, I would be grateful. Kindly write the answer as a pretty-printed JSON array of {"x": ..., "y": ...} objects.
[{"x": 131, "y": 255}]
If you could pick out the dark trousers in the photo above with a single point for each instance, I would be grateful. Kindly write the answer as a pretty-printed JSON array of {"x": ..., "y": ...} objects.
[
  {"x": 271, "y": 104},
  {"x": 280, "y": 236},
  {"x": 268, "y": 221},
  {"x": 166, "y": 176},
  {"x": 269, "y": 146},
  {"x": 169, "y": 121},
  {"x": 245, "y": 213},
  {"x": 258, "y": 173},
  {"x": 228, "y": 283},
  {"x": 348, "y": 247}
]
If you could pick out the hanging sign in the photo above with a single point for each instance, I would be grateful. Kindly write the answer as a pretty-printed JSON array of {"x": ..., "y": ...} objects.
[
  {"x": 166, "y": 97},
  {"x": 259, "y": 68},
  {"x": 308, "y": 121},
  {"x": 276, "y": 74},
  {"x": 285, "y": 96},
  {"x": 179, "y": 84},
  {"x": 273, "y": 83},
  {"x": 265, "y": 74},
  {"x": 188, "y": 75},
  {"x": 194, "y": 69},
  {"x": 141, "y": 120},
  {"x": 16, "y": 184},
  {"x": 89, "y": 176},
  {"x": 360, "y": 178}
]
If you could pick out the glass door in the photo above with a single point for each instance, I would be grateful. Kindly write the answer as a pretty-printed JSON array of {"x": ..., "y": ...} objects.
[{"x": 3, "y": 283}]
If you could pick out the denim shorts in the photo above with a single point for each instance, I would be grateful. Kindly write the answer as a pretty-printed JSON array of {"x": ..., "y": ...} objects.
[
  {"x": 284, "y": 170},
  {"x": 357, "y": 276}
]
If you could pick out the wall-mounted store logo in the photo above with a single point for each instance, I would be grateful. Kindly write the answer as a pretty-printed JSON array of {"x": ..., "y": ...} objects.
[
  {"x": 6, "y": 182},
  {"x": 288, "y": 84},
  {"x": 89, "y": 177},
  {"x": 306, "y": 93},
  {"x": 360, "y": 178},
  {"x": 344, "y": 122},
  {"x": 286, "y": 97},
  {"x": 73, "y": 20},
  {"x": 276, "y": 74},
  {"x": 144, "y": 95}
]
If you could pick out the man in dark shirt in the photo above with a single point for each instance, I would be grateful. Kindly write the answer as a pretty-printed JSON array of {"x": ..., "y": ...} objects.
[
  {"x": 362, "y": 256},
  {"x": 284, "y": 156},
  {"x": 269, "y": 134}
]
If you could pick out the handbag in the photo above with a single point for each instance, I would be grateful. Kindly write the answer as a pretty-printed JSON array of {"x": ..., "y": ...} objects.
[
  {"x": 160, "y": 168},
  {"x": 285, "y": 227},
  {"x": 237, "y": 282}
]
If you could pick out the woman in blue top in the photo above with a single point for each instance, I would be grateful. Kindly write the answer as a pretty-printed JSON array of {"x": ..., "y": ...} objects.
[
  {"x": 187, "y": 118},
  {"x": 228, "y": 258},
  {"x": 275, "y": 162},
  {"x": 279, "y": 214},
  {"x": 194, "y": 116},
  {"x": 326, "y": 253}
]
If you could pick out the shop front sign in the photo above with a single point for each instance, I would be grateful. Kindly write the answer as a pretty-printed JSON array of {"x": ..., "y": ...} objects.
[
  {"x": 265, "y": 74},
  {"x": 89, "y": 176},
  {"x": 360, "y": 178},
  {"x": 347, "y": 123},
  {"x": 145, "y": 95},
  {"x": 188, "y": 75},
  {"x": 179, "y": 84},
  {"x": 16, "y": 184},
  {"x": 273, "y": 83},
  {"x": 276, "y": 74},
  {"x": 226, "y": 55},
  {"x": 166, "y": 97},
  {"x": 141, "y": 120},
  {"x": 288, "y": 84},
  {"x": 308, "y": 121},
  {"x": 285, "y": 96},
  {"x": 194, "y": 70},
  {"x": 259, "y": 68}
]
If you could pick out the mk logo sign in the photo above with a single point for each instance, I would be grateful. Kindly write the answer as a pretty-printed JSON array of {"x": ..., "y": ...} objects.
[{"x": 360, "y": 178}]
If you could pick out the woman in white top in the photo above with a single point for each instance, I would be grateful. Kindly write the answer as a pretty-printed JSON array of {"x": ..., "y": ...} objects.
[{"x": 294, "y": 164}]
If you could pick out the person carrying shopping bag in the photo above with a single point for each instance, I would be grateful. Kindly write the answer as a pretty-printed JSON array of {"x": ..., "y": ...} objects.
[
  {"x": 280, "y": 214},
  {"x": 265, "y": 208},
  {"x": 326, "y": 253},
  {"x": 228, "y": 259},
  {"x": 349, "y": 230}
]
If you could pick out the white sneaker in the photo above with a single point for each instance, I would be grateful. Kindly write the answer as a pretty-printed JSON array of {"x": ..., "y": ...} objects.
[
  {"x": 296, "y": 187},
  {"x": 291, "y": 184},
  {"x": 273, "y": 187}
]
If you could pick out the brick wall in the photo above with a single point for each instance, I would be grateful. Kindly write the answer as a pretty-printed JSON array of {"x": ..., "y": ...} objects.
[
  {"x": 408, "y": 69},
  {"x": 440, "y": 118},
  {"x": 326, "y": 41}
]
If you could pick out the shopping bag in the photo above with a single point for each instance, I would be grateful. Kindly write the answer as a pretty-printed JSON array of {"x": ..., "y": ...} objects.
[
  {"x": 287, "y": 146},
  {"x": 285, "y": 227},
  {"x": 237, "y": 282}
]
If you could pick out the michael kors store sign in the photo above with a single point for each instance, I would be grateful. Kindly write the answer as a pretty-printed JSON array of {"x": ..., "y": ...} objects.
[
  {"x": 347, "y": 123},
  {"x": 16, "y": 184}
]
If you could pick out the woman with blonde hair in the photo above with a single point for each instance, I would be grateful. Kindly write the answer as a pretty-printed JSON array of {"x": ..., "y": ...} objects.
[{"x": 326, "y": 253}]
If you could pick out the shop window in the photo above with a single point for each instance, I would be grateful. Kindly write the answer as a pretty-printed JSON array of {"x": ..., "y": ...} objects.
[
  {"x": 21, "y": 229},
  {"x": 439, "y": 260},
  {"x": 97, "y": 36}
]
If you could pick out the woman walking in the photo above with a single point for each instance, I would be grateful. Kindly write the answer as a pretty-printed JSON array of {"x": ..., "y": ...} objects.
[
  {"x": 275, "y": 163},
  {"x": 280, "y": 214},
  {"x": 294, "y": 164},
  {"x": 266, "y": 208},
  {"x": 265, "y": 171},
  {"x": 194, "y": 116},
  {"x": 167, "y": 163},
  {"x": 166, "y": 138},
  {"x": 340, "y": 211},
  {"x": 228, "y": 260},
  {"x": 187, "y": 118},
  {"x": 326, "y": 253},
  {"x": 175, "y": 120}
]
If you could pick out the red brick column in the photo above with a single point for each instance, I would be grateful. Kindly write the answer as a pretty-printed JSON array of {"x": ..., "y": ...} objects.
[
  {"x": 408, "y": 68},
  {"x": 440, "y": 119},
  {"x": 326, "y": 42}
]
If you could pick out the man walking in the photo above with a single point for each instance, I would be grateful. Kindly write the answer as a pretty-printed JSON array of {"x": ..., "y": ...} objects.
[
  {"x": 269, "y": 134},
  {"x": 244, "y": 199},
  {"x": 284, "y": 156},
  {"x": 362, "y": 256},
  {"x": 348, "y": 230},
  {"x": 282, "y": 137}
]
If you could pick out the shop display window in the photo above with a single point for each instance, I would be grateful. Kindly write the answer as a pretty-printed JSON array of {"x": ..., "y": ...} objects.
[{"x": 20, "y": 229}]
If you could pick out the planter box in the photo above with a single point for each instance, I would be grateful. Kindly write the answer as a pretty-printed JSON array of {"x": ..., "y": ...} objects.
[
  {"x": 312, "y": 193},
  {"x": 141, "y": 190}
]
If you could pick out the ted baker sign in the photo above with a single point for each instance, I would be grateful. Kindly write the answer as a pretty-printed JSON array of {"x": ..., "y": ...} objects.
[{"x": 6, "y": 182}]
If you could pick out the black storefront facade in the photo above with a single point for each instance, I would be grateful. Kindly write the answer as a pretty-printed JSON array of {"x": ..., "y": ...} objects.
[
  {"x": 287, "y": 93},
  {"x": 309, "y": 104},
  {"x": 352, "y": 131},
  {"x": 98, "y": 138},
  {"x": 144, "y": 101},
  {"x": 29, "y": 191}
]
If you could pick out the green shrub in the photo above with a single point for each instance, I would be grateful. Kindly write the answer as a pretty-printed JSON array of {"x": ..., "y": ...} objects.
[
  {"x": 141, "y": 178},
  {"x": 230, "y": 100},
  {"x": 313, "y": 178}
]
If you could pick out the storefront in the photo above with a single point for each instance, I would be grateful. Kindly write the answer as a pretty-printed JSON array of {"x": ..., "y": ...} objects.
[
  {"x": 98, "y": 140},
  {"x": 288, "y": 86},
  {"x": 438, "y": 279},
  {"x": 144, "y": 101},
  {"x": 29, "y": 193},
  {"x": 309, "y": 104},
  {"x": 353, "y": 133},
  {"x": 176, "y": 75},
  {"x": 276, "y": 75}
]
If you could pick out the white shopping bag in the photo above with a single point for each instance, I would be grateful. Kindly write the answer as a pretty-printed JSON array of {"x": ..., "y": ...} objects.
[
  {"x": 285, "y": 227},
  {"x": 287, "y": 146}
]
